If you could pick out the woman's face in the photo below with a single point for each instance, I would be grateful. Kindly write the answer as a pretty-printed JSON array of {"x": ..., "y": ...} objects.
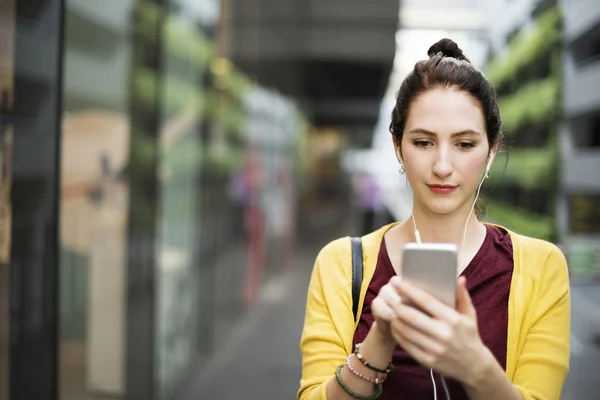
[{"x": 444, "y": 149}]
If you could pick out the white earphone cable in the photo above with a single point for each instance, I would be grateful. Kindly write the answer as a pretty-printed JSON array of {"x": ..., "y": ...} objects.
[
  {"x": 434, "y": 387},
  {"x": 462, "y": 248}
]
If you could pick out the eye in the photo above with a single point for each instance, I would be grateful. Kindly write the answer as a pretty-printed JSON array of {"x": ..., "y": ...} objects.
[
  {"x": 421, "y": 143},
  {"x": 466, "y": 145}
]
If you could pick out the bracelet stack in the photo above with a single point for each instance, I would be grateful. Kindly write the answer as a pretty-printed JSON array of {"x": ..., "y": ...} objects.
[
  {"x": 377, "y": 380},
  {"x": 385, "y": 371}
]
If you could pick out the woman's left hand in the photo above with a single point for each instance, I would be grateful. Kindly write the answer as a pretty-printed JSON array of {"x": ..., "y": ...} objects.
[{"x": 446, "y": 340}]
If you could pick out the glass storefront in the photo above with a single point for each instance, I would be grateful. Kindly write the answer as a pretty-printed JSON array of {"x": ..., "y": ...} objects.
[
  {"x": 185, "y": 56},
  {"x": 152, "y": 195},
  {"x": 94, "y": 196}
]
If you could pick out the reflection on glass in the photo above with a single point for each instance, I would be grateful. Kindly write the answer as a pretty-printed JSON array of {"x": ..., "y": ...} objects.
[
  {"x": 94, "y": 199},
  {"x": 177, "y": 274},
  {"x": 206, "y": 158},
  {"x": 6, "y": 131}
]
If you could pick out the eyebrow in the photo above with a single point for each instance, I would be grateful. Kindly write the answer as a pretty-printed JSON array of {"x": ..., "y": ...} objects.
[{"x": 460, "y": 133}]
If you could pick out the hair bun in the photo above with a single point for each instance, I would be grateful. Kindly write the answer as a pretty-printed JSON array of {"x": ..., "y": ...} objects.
[{"x": 448, "y": 48}]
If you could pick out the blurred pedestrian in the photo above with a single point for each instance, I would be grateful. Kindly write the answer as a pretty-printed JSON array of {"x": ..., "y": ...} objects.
[{"x": 254, "y": 224}]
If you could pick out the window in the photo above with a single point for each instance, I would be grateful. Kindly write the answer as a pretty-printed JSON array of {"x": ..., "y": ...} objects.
[
  {"x": 586, "y": 131},
  {"x": 594, "y": 133},
  {"x": 585, "y": 214},
  {"x": 586, "y": 49}
]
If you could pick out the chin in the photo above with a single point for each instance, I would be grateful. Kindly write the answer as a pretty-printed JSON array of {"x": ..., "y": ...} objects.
[{"x": 443, "y": 206}]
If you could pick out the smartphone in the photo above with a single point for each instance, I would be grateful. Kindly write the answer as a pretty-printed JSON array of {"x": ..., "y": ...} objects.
[{"x": 433, "y": 268}]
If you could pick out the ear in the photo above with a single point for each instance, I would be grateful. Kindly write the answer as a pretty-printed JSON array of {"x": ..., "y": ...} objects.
[
  {"x": 397, "y": 150},
  {"x": 491, "y": 157},
  {"x": 399, "y": 155}
]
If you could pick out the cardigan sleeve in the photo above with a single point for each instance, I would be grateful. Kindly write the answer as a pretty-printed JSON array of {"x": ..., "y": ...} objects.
[
  {"x": 543, "y": 364},
  {"x": 322, "y": 344}
]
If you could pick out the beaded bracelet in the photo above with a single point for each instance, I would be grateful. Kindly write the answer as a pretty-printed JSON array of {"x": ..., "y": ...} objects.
[
  {"x": 386, "y": 371},
  {"x": 375, "y": 380},
  {"x": 353, "y": 394}
]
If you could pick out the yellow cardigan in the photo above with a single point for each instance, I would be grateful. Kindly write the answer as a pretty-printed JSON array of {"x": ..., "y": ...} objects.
[{"x": 537, "y": 354}]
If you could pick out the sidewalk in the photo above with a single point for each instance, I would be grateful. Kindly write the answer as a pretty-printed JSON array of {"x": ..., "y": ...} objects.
[
  {"x": 582, "y": 382},
  {"x": 260, "y": 355}
]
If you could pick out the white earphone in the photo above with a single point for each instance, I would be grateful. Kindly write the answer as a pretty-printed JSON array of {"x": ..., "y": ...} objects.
[{"x": 489, "y": 165}]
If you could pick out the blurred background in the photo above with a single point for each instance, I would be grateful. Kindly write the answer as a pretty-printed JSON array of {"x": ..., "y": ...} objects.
[{"x": 169, "y": 170}]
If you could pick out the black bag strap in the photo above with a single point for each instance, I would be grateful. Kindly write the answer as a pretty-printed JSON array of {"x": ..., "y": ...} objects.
[{"x": 357, "y": 273}]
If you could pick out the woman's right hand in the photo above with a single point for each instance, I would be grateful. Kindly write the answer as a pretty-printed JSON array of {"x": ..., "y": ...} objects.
[{"x": 384, "y": 305}]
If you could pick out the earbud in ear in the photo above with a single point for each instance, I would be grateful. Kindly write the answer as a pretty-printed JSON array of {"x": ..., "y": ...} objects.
[
  {"x": 489, "y": 165},
  {"x": 399, "y": 157}
]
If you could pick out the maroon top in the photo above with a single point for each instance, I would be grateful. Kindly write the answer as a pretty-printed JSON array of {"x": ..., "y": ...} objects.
[{"x": 488, "y": 281}]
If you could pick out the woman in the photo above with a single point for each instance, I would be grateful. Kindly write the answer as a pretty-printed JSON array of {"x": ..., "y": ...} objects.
[{"x": 508, "y": 337}]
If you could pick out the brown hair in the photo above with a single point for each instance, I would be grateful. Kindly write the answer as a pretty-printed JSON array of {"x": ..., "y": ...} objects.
[{"x": 447, "y": 67}]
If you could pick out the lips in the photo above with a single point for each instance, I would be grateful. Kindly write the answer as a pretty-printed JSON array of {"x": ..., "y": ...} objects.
[{"x": 442, "y": 189}]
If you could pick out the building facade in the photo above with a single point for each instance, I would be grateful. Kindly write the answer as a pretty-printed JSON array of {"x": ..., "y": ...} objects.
[
  {"x": 525, "y": 67},
  {"x": 578, "y": 205},
  {"x": 544, "y": 64}
]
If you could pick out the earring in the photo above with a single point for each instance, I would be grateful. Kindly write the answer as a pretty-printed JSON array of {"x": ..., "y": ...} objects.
[{"x": 402, "y": 170}]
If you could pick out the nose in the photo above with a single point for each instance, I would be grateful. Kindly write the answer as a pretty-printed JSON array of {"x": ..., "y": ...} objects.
[{"x": 442, "y": 167}]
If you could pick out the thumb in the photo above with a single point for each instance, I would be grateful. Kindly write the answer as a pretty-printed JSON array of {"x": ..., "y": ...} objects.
[{"x": 463, "y": 299}]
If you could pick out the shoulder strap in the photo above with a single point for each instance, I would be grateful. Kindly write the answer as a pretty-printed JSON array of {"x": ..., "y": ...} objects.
[{"x": 357, "y": 273}]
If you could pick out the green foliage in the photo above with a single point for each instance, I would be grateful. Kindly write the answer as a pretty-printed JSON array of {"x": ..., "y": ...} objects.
[
  {"x": 147, "y": 16},
  {"x": 527, "y": 47},
  {"x": 239, "y": 84},
  {"x": 227, "y": 159},
  {"x": 227, "y": 113},
  {"x": 187, "y": 43},
  {"x": 144, "y": 85},
  {"x": 184, "y": 158},
  {"x": 520, "y": 221},
  {"x": 529, "y": 168},
  {"x": 536, "y": 103},
  {"x": 179, "y": 93}
]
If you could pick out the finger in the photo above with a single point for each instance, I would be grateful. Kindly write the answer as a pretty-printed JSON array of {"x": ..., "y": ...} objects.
[
  {"x": 395, "y": 282},
  {"x": 421, "y": 355},
  {"x": 390, "y": 295},
  {"x": 464, "y": 305},
  {"x": 416, "y": 336},
  {"x": 382, "y": 310},
  {"x": 424, "y": 300},
  {"x": 421, "y": 322}
]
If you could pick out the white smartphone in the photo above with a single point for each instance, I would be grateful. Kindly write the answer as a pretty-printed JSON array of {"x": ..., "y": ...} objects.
[{"x": 433, "y": 268}]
